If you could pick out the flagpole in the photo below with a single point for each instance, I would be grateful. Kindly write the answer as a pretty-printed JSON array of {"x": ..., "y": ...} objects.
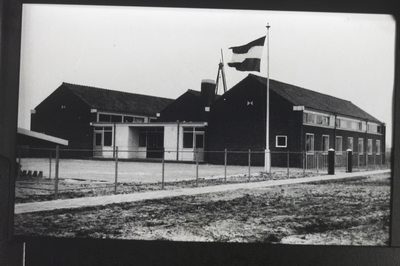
[{"x": 267, "y": 163}]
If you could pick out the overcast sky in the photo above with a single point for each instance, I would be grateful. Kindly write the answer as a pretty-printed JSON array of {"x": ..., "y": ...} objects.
[{"x": 165, "y": 51}]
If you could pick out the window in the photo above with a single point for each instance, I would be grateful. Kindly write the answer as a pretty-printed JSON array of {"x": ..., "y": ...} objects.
[
  {"x": 350, "y": 143},
  {"x": 142, "y": 138},
  {"x": 103, "y": 136},
  {"x": 281, "y": 141},
  {"x": 199, "y": 141},
  {"x": 309, "y": 118},
  {"x": 116, "y": 118},
  {"x": 188, "y": 137},
  {"x": 322, "y": 120},
  {"x": 128, "y": 119},
  {"x": 316, "y": 119},
  {"x": 104, "y": 118},
  {"x": 325, "y": 143},
  {"x": 374, "y": 128},
  {"x": 369, "y": 147},
  {"x": 138, "y": 119},
  {"x": 378, "y": 146},
  {"x": 360, "y": 146},
  {"x": 339, "y": 145},
  {"x": 309, "y": 142},
  {"x": 193, "y": 137}
]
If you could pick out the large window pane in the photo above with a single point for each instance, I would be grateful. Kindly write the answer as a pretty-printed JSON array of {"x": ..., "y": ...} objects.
[
  {"x": 107, "y": 138},
  {"x": 199, "y": 141},
  {"x": 188, "y": 140},
  {"x": 98, "y": 139}
]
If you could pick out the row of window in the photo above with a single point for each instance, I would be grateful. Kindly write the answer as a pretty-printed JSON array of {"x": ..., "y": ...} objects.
[
  {"x": 339, "y": 144},
  {"x": 317, "y": 119},
  {"x": 325, "y": 120},
  {"x": 119, "y": 118},
  {"x": 103, "y": 136},
  {"x": 193, "y": 137}
]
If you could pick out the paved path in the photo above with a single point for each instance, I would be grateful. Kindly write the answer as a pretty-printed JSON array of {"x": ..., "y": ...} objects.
[{"x": 104, "y": 200}]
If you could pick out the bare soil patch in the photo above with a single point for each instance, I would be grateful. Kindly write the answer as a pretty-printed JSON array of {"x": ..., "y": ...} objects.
[
  {"x": 29, "y": 189},
  {"x": 340, "y": 212}
]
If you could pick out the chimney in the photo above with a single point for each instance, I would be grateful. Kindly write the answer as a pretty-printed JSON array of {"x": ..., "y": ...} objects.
[{"x": 207, "y": 92}]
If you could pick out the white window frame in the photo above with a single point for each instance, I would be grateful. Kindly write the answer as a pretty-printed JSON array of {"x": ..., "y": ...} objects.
[
  {"x": 352, "y": 143},
  {"x": 193, "y": 131},
  {"x": 378, "y": 146},
  {"x": 276, "y": 141},
  {"x": 102, "y": 131},
  {"x": 325, "y": 151},
  {"x": 370, "y": 146},
  {"x": 361, "y": 141},
  {"x": 311, "y": 144}
]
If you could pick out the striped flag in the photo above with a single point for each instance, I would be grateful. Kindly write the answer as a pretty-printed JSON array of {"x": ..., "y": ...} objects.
[{"x": 248, "y": 57}]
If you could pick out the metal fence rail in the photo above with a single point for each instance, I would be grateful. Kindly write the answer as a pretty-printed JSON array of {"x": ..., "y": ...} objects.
[{"x": 118, "y": 170}]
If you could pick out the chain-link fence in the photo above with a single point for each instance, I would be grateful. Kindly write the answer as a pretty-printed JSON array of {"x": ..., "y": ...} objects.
[{"x": 47, "y": 174}]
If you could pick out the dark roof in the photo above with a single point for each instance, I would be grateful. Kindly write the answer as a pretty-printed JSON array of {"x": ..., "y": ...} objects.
[
  {"x": 118, "y": 101},
  {"x": 315, "y": 100}
]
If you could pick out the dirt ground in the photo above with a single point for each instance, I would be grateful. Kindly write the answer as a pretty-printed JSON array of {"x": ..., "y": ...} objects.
[
  {"x": 342, "y": 212},
  {"x": 31, "y": 189}
]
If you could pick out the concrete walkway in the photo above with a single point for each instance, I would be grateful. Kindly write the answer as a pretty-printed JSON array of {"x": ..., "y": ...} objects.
[{"x": 104, "y": 200}]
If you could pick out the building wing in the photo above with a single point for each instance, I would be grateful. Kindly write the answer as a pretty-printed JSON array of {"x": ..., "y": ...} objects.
[
  {"x": 315, "y": 100},
  {"x": 117, "y": 101}
]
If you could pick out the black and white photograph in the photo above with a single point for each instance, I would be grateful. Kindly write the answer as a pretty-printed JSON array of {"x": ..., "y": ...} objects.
[{"x": 205, "y": 125}]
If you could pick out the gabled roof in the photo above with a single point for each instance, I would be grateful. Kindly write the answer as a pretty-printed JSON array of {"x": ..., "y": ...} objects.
[
  {"x": 187, "y": 107},
  {"x": 314, "y": 100},
  {"x": 118, "y": 101}
]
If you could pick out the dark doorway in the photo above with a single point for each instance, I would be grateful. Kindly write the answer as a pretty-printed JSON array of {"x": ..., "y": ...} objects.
[{"x": 155, "y": 142}]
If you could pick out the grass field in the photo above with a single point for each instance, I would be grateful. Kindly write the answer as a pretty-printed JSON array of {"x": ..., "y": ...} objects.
[{"x": 341, "y": 212}]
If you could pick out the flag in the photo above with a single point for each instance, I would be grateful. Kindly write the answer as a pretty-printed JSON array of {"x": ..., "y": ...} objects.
[{"x": 248, "y": 57}]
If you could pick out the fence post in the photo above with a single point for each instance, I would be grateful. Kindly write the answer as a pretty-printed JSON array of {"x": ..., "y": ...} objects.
[
  {"x": 225, "y": 163},
  {"x": 358, "y": 161},
  {"x": 349, "y": 153},
  {"x": 331, "y": 162},
  {"x": 249, "y": 163},
  {"x": 197, "y": 168},
  {"x": 317, "y": 161},
  {"x": 50, "y": 164},
  {"x": 162, "y": 170},
  {"x": 19, "y": 163},
  {"x": 374, "y": 156},
  {"x": 116, "y": 170},
  {"x": 288, "y": 175},
  {"x": 56, "y": 174},
  {"x": 304, "y": 154}
]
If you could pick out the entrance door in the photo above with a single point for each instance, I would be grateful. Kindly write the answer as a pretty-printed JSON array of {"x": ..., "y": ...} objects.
[
  {"x": 199, "y": 146},
  {"x": 103, "y": 142},
  {"x": 155, "y": 144}
]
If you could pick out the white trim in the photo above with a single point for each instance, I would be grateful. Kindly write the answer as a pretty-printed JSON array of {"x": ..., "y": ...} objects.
[
  {"x": 298, "y": 108},
  {"x": 42, "y": 136},
  {"x": 309, "y": 111},
  {"x": 312, "y": 145},
  {"x": 276, "y": 141}
]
